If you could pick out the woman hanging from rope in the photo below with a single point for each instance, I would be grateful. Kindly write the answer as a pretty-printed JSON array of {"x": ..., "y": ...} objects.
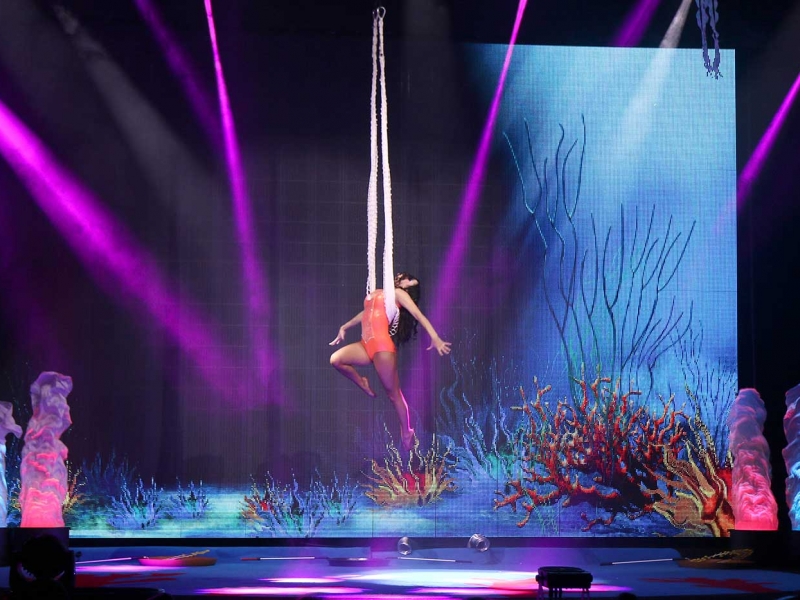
[
  {"x": 379, "y": 346},
  {"x": 390, "y": 314}
]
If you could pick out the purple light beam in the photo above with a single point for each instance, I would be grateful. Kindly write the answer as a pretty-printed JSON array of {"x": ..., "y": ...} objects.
[
  {"x": 107, "y": 250},
  {"x": 469, "y": 203},
  {"x": 636, "y": 23},
  {"x": 257, "y": 300},
  {"x": 756, "y": 163},
  {"x": 182, "y": 67}
]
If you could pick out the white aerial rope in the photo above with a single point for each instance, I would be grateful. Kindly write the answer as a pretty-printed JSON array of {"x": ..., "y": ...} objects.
[{"x": 372, "y": 193}]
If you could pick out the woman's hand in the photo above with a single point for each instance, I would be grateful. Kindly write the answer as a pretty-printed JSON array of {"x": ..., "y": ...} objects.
[
  {"x": 339, "y": 338},
  {"x": 441, "y": 346}
]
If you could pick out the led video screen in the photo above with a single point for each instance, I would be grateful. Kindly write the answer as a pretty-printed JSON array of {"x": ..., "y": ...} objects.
[{"x": 583, "y": 271}]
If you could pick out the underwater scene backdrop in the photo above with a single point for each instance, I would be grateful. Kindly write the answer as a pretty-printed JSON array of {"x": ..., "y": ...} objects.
[{"x": 593, "y": 315}]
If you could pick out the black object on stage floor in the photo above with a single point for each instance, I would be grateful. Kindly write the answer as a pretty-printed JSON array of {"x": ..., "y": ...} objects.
[
  {"x": 41, "y": 563},
  {"x": 557, "y": 579}
]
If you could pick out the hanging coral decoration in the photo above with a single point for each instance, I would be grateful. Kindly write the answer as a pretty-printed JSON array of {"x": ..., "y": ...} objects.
[{"x": 707, "y": 17}]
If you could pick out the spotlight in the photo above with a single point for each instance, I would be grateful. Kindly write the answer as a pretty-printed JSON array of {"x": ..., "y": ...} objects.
[
  {"x": 478, "y": 542},
  {"x": 43, "y": 566},
  {"x": 404, "y": 546}
]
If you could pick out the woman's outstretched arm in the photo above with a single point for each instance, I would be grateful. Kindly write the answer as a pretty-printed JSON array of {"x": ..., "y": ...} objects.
[
  {"x": 406, "y": 302},
  {"x": 340, "y": 337}
]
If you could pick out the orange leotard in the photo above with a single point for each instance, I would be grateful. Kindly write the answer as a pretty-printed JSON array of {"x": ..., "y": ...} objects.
[{"x": 375, "y": 326}]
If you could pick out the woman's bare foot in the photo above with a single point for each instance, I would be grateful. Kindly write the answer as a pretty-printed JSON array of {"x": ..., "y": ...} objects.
[
  {"x": 408, "y": 439},
  {"x": 364, "y": 385}
]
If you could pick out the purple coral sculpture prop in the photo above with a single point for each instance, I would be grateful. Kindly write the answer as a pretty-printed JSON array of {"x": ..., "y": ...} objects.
[
  {"x": 791, "y": 454},
  {"x": 7, "y": 425}
]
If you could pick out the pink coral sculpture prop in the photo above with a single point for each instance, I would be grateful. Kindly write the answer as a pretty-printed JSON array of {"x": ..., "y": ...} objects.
[
  {"x": 43, "y": 471},
  {"x": 754, "y": 505}
]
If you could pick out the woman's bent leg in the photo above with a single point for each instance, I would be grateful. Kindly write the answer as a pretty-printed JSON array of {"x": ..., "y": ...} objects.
[{"x": 344, "y": 359}]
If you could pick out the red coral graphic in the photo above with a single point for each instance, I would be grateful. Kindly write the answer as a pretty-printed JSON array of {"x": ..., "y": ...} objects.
[
  {"x": 600, "y": 449},
  {"x": 620, "y": 458}
]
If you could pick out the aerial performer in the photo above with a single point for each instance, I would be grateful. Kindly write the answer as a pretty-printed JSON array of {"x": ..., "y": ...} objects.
[
  {"x": 379, "y": 346},
  {"x": 391, "y": 314}
]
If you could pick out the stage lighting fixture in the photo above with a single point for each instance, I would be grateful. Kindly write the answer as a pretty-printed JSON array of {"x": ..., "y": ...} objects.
[
  {"x": 478, "y": 542},
  {"x": 42, "y": 566},
  {"x": 404, "y": 546}
]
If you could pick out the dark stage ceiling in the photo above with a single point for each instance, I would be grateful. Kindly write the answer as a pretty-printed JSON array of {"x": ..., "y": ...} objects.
[{"x": 744, "y": 24}]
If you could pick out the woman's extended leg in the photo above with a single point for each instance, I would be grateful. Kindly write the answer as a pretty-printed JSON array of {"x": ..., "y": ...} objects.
[
  {"x": 386, "y": 366},
  {"x": 344, "y": 359}
]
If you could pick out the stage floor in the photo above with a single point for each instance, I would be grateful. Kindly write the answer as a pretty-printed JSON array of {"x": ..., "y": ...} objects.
[{"x": 364, "y": 572}]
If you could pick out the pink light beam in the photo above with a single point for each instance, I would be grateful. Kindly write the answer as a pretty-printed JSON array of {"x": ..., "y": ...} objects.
[
  {"x": 469, "y": 203},
  {"x": 754, "y": 166},
  {"x": 636, "y": 23},
  {"x": 107, "y": 249},
  {"x": 181, "y": 66},
  {"x": 257, "y": 300}
]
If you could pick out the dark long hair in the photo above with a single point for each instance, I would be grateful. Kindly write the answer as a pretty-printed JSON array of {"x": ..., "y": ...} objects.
[{"x": 407, "y": 327}]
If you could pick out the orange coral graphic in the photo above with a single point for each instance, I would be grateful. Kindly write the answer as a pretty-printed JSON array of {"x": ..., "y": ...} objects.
[
  {"x": 416, "y": 482},
  {"x": 255, "y": 505},
  {"x": 694, "y": 496}
]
